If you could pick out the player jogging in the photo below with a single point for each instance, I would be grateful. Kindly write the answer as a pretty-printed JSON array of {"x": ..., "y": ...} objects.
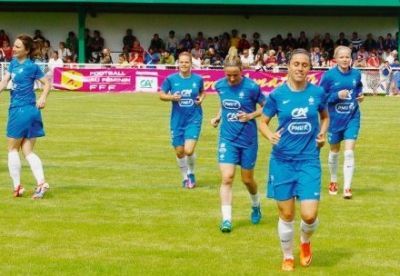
[
  {"x": 343, "y": 89},
  {"x": 294, "y": 168},
  {"x": 185, "y": 91}
]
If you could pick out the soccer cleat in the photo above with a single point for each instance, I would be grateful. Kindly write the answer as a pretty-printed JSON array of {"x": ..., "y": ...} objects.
[
  {"x": 305, "y": 254},
  {"x": 347, "y": 194},
  {"x": 40, "y": 191},
  {"x": 226, "y": 226},
  {"x": 288, "y": 265},
  {"x": 333, "y": 188},
  {"x": 185, "y": 183},
  {"x": 191, "y": 181},
  {"x": 18, "y": 191},
  {"x": 255, "y": 214}
]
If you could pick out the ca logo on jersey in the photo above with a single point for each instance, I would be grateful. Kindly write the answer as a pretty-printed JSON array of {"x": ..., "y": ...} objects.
[
  {"x": 241, "y": 95},
  {"x": 300, "y": 113},
  {"x": 311, "y": 100}
]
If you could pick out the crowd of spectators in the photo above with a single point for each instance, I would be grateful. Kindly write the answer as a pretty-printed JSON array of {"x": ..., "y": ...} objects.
[{"x": 212, "y": 51}]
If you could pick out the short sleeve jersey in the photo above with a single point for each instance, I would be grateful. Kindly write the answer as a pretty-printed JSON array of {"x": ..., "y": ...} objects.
[
  {"x": 23, "y": 76},
  {"x": 298, "y": 120},
  {"x": 341, "y": 111},
  {"x": 186, "y": 110},
  {"x": 243, "y": 97}
]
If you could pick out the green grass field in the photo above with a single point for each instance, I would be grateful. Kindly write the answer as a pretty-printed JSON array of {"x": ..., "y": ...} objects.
[{"x": 116, "y": 206}]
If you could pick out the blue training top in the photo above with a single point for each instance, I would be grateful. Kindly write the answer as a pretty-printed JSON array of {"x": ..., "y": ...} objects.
[
  {"x": 242, "y": 97},
  {"x": 342, "y": 111},
  {"x": 298, "y": 118},
  {"x": 186, "y": 110},
  {"x": 23, "y": 76}
]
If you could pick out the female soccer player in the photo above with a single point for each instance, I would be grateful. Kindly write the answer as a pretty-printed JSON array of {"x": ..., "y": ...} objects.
[
  {"x": 24, "y": 117},
  {"x": 185, "y": 91},
  {"x": 295, "y": 169},
  {"x": 343, "y": 89},
  {"x": 238, "y": 142}
]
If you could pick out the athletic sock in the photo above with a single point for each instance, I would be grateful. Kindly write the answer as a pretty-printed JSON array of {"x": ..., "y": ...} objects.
[
  {"x": 36, "y": 167},
  {"x": 226, "y": 212},
  {"x": 14, "y": 167},
  {"x": 333, "y": 163},
  {"x": 307, "y": 230},
  {"x": 286, "y": 233},
  {"x": 348, "y": 168},
  {"x": 182, "y": 164},
  {"x": 255, "y": 200},
  {"x": 190, "y": 163}
]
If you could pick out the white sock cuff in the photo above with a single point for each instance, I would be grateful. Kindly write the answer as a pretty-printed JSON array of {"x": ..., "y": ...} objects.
[
  {"x": 286, "y": 223},
  {"x": 307, "y": 228},
  {"x": 333, "y": 154},
  {"x": 13, "y": 153}
]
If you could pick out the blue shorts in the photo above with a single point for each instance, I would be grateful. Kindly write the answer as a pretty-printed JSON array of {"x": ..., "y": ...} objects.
[
  {"x": 350, "y": 133},
  {"x": 24, "y": 122},
  {"x": 229, "y": 153},
  {"x": 289, "y": 178},
  {"x": 189, "y": 132}
]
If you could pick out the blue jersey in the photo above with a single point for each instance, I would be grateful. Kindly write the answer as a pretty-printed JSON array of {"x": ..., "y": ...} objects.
[
  {"x": 23, "y": 76},
  {"x": 341, "y": 112},
  {"x": 235, "y": 99},
  {"x": 185, "y": 111},
  {"x": 298, "y": 118}
]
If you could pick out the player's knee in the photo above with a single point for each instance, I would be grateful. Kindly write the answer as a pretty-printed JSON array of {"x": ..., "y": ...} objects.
[
  {"x": 309, "y": 218},
  {"x": 248, "y": 181},
  {"x": 286, "y": 215},
  {"x": 180, "y": 154},
  {"x": 189, "y": 152},
  {"x": 227, "y": 180}
]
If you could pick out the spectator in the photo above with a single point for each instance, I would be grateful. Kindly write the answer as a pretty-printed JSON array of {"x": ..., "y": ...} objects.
[
  {"x": 197, "y": 51},
  {"x": 54, "y": 62},
  {"x": 392, "y": 57},
  {"x": 235, "y": 39},
  {"x": 224, "y": 44},
  {"x": 96, "y": 46},
  {"x": 389, "y": 43},
  {"x": 128, "y": 40},
  {"x": 356, "y": 43},
  {"x": 363, "y": 53},
  {"x": 373, "y": 60},
  {"x": 316, "y": 41},
  {"x": 136, "y": 48},
  {"x": 136, "y": 59},
  {"x": 47, "y": 51},
  {"x": 257, "y": 39},
  {"x": 123, "y": 60},
  {"x": 380, "y": 45},
  {"x": 7, "y": 51},
  {"x": 88, "y": 42},
  {"x": 4, "y": 37},
  {"x": 38, "y": 35},
  {"x": 280, "y": 56},
  {"x": 172, "y": 43},
  {"x": 316, "y": 57},
  {"x": 63, "y": 52},
  {"x": 289, "y": 42},
  {"x": 328, "y": 45},
  {"x": 157, "y": 44},
  {"x": 271, "y": 60},
  {"x": 369, "y": 43},
  {"x": 167, "y": 58},
  {"x": 243, "y": 43},
  {"x": 196, "y": 62},
  {"x": 105, "y": 57},
  {"x": 342, "y": 41},
  {"x": 276, "y": 42},
  {"x": 246, "y": 59},
  {"x": 201, "y": 41},
  {"x": 302, "y": 41},
  {"x": 72, "y": 44},
  {"x": 186, "y": 43},
  {"x": 360, "y": 62},
  {"x": 212, "y": 58}
]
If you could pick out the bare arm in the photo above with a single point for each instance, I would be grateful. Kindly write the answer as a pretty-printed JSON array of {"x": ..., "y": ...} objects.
[
  {"x": 324, "y": 123},
  {"x": 4, "y": 81},
  {"x": 273, "y": 137},
  {"x": 41, "y": 102},
  {"x": 245, "y": 117},
  {"x": 215, "y": 121},
  {"x": 168, "y": 97}
]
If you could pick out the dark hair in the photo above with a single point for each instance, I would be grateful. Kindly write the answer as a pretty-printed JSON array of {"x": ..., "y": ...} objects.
[
  {"x": 28, "y": 43},
  {"x": 299, "y": 51}
]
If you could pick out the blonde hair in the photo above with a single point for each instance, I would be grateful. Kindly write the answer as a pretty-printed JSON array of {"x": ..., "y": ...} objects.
[
  {"x": 233, "y": 61},
  {"x": 340, "y": 48},
  {"x": 187, "y": 54}
]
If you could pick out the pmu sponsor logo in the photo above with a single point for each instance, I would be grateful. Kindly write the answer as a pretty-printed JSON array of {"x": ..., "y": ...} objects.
[
  {"x": 344, "y": 108},
  {"x": 231, "y": 104},
  {"x": 300, "y": 113},
  {"x": 301, "y": 128},
  {"x": 185, "y": 102}
]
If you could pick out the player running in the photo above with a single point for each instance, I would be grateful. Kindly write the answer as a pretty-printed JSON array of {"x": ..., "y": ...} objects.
[
  {"x": 295, "y": 169},
  {"x": 238, "y": 143},
  {"x": 185, "y": 91},
  {"x": 343, "y": 89}
]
